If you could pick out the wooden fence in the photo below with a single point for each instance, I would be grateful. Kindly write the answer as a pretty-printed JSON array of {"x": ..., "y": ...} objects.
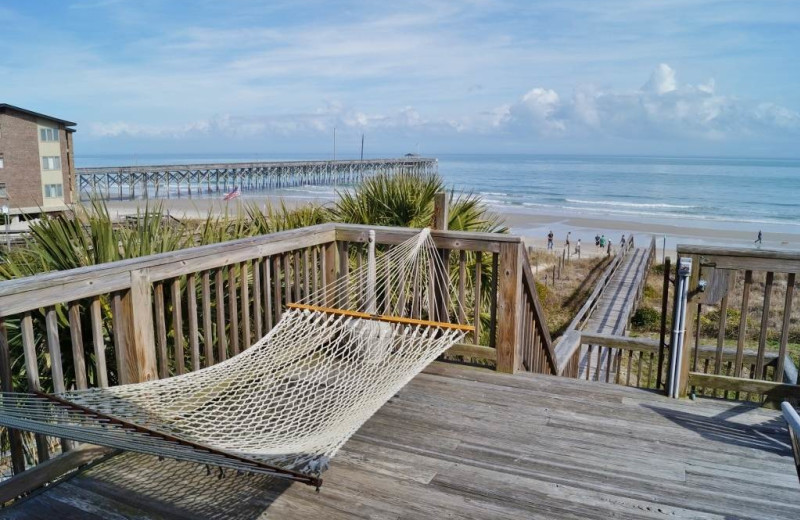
[
  {"x": 168, "y": 314},
  {"x": 740, "y": 365}
]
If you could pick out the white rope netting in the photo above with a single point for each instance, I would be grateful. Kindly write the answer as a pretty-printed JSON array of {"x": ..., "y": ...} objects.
[{"x": 290, "y": 401}]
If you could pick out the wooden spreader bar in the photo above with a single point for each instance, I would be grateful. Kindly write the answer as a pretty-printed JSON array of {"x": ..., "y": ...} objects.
[{"x": 381, "y": 317}]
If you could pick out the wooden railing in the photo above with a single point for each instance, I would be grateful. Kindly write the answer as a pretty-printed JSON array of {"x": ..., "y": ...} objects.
[
  {"x": 568, "y": 348},
  {"x": 745, "y": 370},
  {"x": 168, "y": 314}
]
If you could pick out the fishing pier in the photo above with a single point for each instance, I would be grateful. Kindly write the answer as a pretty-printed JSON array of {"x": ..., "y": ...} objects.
[{"x": 165, "y": 181}]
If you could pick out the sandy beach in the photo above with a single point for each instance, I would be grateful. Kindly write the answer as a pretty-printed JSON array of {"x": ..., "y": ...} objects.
[{"x": 531, "y": 224}]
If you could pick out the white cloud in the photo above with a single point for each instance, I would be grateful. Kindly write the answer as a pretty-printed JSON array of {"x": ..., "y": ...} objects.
[
  {"x": 662, "y": 110},
  {"x": 662, "y": 80}
]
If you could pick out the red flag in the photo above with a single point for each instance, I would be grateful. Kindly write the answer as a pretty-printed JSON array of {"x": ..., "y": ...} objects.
[{"x": 232, "y": 195}]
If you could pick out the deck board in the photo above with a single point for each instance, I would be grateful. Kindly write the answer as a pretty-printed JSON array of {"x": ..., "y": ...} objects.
[{"x": 462, "y": 442}]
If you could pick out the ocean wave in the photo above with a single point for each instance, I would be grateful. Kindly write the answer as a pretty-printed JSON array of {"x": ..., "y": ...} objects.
[{"x": 629, "y": 204}]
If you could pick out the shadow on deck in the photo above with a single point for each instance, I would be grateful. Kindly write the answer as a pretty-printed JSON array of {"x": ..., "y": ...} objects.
[{"x": 461, "y": 442}]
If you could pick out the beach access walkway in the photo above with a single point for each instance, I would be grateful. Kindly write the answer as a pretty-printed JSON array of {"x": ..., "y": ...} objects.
[{"x": 613, "y": 311}]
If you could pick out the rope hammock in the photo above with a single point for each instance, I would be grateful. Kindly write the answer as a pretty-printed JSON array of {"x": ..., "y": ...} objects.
[{"x": 287, "y": 404}]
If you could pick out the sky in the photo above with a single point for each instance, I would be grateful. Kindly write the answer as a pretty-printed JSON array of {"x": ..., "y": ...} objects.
[{"x": 683, "y": 77}]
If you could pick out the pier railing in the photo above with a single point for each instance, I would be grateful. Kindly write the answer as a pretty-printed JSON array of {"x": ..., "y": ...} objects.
[
  {"x": 167, "y": 181},
  {"x": 168, "y": 314},
  {"x": 743, "y": 299}
]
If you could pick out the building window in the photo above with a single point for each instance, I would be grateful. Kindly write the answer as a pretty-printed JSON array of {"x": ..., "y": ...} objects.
[
  {"x": 52, "y": 191},
  {"x": 3, "y": 191},
  {"x": 51, "y": 163},
  {"x": 48, "y": 134}
]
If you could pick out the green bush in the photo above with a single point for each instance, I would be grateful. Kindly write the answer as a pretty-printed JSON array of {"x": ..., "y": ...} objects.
[
  {"x": 646, "y": 318},
  {"x": 709, "y": 323},
  {"x": 657, "y": 269}
]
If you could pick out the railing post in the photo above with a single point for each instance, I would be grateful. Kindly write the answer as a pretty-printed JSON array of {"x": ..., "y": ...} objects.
[
  {"x": 329, "y": 272},
  {"x": 440, "y": 211},
  {"x": 509, "y": 292},
  {"x": 138, "y": 349}
]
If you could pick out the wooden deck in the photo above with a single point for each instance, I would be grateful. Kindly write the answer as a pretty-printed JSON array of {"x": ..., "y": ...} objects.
[
  {"x": 614, "y": 310},
  {"x": 461, "y": 442}
]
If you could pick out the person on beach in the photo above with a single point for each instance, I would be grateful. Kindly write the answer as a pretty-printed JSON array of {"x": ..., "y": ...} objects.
[
  {"x": 578, "y": 248},
  {"x": 597, "y": 241},
  {"x": 550, "y": 240},
  {"x": 602, "y": 241},
  {"x": 567, "y": 243},
  {"x": 622, "y": 242},
  {"x": 758, "y": 240}
]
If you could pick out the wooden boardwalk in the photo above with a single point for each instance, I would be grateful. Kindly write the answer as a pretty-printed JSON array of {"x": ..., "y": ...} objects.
[
  {"x": 460, "y": 442},
  {"x": 613, "y": 312}
]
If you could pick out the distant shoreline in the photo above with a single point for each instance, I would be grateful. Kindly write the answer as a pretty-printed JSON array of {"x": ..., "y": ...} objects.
[{"x": 532, "y": 225}]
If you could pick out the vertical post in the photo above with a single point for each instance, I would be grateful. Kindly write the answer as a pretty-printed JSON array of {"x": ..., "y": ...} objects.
[
  {"x": 329, "y": 272},
  {"x": 509, "y": 356},
  {"x": 663, "y": 333},
  {"x": 440, "y": 222},
  {"x": 6, "y": 385},
  {"x": 137, "y": 338},
  {"x": 440, "y": 211},
  {"x": 372, "y": 275}
]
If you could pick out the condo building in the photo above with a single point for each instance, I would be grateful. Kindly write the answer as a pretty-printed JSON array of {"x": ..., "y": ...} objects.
[{"x": 36, "y": 160}]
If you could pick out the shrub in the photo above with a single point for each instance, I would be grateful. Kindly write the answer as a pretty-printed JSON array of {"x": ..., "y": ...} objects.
[
  {"x": 657, "y": 269},
  {"x": 709, "y": 323},
  {"x": 646, "y": 318},
  {"x": 650, "y": 292}
]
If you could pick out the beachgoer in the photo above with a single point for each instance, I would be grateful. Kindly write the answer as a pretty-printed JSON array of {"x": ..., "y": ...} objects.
[
  {"x": 550, "y": 240},
  {"x": 567, "y": 243},
  {"x": 622, "y": 242},
  {"x": 602, "y": 241},
  {"x": 578, "y": 248},
  {"x": 597, "y": 241},
  {"x": 758, "y": 240}
]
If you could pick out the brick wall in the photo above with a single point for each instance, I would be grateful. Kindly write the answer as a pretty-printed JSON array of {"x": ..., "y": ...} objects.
[
  {"x": 67, "y": 168},
  {"x": 19, "y": 144}
]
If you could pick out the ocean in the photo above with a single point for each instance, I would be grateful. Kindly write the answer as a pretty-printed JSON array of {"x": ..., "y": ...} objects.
[{"x": 736, "y": 194}]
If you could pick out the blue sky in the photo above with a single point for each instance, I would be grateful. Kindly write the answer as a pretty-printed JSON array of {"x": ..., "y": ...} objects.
[{"x": 698, "y": 77}]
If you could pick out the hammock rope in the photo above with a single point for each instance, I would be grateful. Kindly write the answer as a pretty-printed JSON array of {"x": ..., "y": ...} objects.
[{"x": 285, "y": 405}]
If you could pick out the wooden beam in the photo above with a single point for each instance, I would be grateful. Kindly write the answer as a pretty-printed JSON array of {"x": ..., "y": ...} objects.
[
  {"x": 509, "y": 297},
  {"x": 440, "y": 211},
  {"x": 773, "y": 391},
  {"x": 621, "y": 342},
  {"x": 136, "y": 328},
  {"x": 50, "y": 470},
  {"x": 468, "y": 350}
]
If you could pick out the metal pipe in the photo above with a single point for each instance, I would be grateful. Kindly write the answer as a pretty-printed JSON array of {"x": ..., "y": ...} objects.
[
  {"x": 791, "y": 416},
  {"x": 678, "y": 324}
]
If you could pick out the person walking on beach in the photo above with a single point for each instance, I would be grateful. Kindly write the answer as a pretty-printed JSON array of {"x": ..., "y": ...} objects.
[
  {"x": 578, "y": 249},
  {"x": 758, "y": 240},
  {"x": 597, "y": 241},
  {"x": 550, "y": 240},
  {"x": 622, "y": 242},
  {"x": 602, "y": 241}
]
